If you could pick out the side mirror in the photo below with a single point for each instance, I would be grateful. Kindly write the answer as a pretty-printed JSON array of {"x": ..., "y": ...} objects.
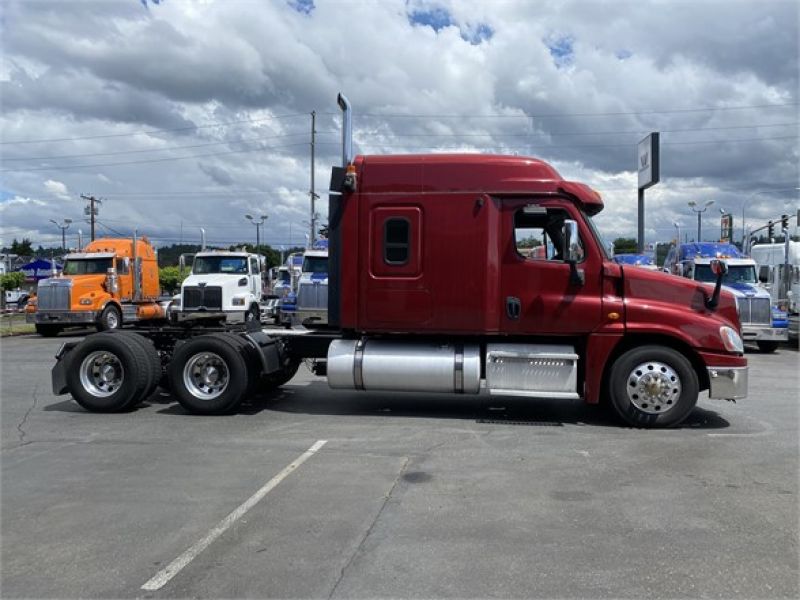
[
  {"x": 572, "y": 251},
  {"x": 720, "y": 269},
  {"x": 679, "y": 270},
  {"x": 182, "y": 262}
]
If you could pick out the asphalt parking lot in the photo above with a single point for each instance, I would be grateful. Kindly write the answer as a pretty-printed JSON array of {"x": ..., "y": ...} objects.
[{"x": 408, "y": 496}]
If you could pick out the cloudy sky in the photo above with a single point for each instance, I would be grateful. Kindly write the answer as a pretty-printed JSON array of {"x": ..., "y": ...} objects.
[{"x": 186, "y": 114}]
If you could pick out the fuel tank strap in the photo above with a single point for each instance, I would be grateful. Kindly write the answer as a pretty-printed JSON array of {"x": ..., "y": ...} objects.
[
  {"x": 458, "y": 370},
  {"x": 358, "y": 364}
]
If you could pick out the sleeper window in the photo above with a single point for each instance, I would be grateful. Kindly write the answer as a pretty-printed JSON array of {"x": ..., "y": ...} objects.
[{"x": 396, "y": 241}]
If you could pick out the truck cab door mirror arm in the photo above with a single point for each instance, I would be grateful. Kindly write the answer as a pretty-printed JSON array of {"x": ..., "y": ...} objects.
[{"x": 719, "y": 268}]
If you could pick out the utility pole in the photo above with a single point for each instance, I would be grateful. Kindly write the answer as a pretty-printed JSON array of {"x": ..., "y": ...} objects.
[
  {"x": 91, "y": 211},
  {"x": 312, "y": 193}
]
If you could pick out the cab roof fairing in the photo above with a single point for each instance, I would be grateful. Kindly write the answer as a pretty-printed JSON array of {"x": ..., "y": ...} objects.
[{"x": 469, "y": 173}]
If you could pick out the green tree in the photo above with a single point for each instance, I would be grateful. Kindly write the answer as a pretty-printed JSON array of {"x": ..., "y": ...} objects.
[
  {"x": 170, "y": 279},
  {"x": 23, "y": 248},
  {"x": 625, "y": 246}
]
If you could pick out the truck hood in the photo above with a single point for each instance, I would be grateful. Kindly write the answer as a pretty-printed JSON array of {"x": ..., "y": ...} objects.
[
  {"x": 660, "y": 302},
  {"x": 217, "y": 279}
]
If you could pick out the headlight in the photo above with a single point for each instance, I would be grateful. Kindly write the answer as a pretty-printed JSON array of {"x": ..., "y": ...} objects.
[
  {"x": 238, "y": 301},
  {"x": 86, "y": 301},
  {"x": 731, "y": 340}
]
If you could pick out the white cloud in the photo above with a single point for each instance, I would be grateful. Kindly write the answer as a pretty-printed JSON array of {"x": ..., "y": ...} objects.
[
  {"x": 57, "y": 189},
  {"x": 178, "y": 65}
]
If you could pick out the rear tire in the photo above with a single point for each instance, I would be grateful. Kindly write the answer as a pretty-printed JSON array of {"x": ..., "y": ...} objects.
[
  {"x": 208, "y": 375},
  {"x": 48, "y": 330},
  {"x": 653, "y": 386},
  {"x": 767, "y": 347},
  {"x": 107, "y": 373},
  {"x": 150, "y": 353},
  {"x": 110, "y": 318}
]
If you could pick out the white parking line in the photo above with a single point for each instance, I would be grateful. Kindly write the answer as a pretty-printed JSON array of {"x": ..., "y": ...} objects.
[{"x": 162, "y": 577}]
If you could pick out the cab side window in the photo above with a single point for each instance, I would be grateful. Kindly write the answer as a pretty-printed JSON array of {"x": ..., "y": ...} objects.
[
  {"x": 538, "y": 233},
  {"x": 123, "y": 266}
]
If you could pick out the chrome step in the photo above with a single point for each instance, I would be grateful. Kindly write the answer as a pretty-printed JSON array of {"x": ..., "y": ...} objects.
[{"x": 532, "y": 370}]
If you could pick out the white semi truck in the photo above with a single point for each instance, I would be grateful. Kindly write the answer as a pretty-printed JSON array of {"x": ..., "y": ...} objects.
[{"x": 223, "y": 286}]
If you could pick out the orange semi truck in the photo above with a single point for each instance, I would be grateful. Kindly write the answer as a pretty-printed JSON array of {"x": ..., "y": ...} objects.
[{"x": 111, "y": 282}]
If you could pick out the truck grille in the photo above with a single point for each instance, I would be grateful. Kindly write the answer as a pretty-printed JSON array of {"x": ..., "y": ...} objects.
[
  {"x": 754, "y": 311},
  {"x": 53, "y": 295},
  {"x": 312, "y": 295},
  {"x": 198, "y": 298}
]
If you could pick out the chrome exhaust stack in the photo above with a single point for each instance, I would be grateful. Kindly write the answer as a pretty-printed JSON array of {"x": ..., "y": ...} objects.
[{"x": 347, "y": 129}]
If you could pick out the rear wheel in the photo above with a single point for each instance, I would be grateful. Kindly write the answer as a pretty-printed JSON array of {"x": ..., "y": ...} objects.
[
  {"x": 767, "y": 347},
  {"x": 653, "y": 386},
  {"x": 107, "y": 373},
  {"x": 48, "y": 330},
  {"x": 208, "y": 375},
  {"x": 149, "y": 353},
  {"x": 110, "y": 318}
]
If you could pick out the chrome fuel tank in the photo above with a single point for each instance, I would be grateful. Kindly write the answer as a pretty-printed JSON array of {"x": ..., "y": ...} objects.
[{"x": 381, "y": 365}]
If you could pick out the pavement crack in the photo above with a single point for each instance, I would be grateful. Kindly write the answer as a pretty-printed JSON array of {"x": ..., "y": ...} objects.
[
  {"x": 21, "y": 424},
  {"x": 368, "y": 532}
]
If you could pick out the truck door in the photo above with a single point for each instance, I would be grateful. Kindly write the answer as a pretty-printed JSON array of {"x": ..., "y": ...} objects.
[{"x": 539, "y": 295}]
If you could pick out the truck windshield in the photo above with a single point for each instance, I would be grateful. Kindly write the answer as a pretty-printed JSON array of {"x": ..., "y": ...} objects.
[
  {"x": 736, "y": 274},
  {"x": 597, "y": 236},
  {"x": 315, "y": 264},
  {"x": 204, "y": 265},
  {"x": 87, "y": 266}
]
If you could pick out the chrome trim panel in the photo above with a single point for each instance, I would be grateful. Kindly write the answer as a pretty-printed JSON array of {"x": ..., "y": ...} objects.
[
  {"x": 727, "y": 383},
  {"x": 534, "y": 370}
]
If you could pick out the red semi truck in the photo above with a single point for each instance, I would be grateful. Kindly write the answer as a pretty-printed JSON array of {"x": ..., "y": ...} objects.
[{"x": 431, "y": 290}]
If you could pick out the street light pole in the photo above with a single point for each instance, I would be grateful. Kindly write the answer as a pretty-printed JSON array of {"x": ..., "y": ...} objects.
[
  {"x": 692, "y": 205},
  {"x": 63, "y": 227},
  {"x": 258, "y": 224}
]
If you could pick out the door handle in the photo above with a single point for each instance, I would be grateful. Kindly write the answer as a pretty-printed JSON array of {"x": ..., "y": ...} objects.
[{"x": 513, "y": 308}]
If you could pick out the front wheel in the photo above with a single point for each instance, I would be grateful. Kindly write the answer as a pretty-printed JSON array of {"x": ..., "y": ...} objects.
[
  {"x": 767, "y": 347},
  {"x": 653, "y": 386},
  {"x": 109, "y": 319}
]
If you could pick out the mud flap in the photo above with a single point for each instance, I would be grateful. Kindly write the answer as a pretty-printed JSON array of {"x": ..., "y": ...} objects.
[{"x": 58, "y": 375}]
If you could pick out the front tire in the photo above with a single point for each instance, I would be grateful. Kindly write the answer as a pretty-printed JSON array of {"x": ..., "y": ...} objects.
[
  {"x": 653, "y": 386},
  {"x": 767, "y": 347},
  {"x": 110, "y": 318}
]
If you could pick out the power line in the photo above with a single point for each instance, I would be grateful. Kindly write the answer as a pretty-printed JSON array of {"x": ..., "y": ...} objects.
[
  {"x": 565, "y": 115},
  {"x": 145, "y": 150},
  {"x": 152, "y": 131},
  {"x": 152, "y": 160},
  {"x": 571, "y": 146},
  {"x": 581, "y": 133}
]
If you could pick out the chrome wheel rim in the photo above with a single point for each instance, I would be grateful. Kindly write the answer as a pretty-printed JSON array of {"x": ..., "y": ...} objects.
[
  {"x": 206, "y": 376},
  {"x": 101, "y": 374},
  {"x": 654, "y": 387},
  {"x": 112, "y": 321}
]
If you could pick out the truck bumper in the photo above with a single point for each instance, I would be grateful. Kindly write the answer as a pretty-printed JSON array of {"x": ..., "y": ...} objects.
[
  {"x": 311, "y": 315},
  {"x": 230, "y": 317},
  {"x": 80, "y": 317},
  {"x": 755, "y": 333},
  {"x": 727, "y": 383}
]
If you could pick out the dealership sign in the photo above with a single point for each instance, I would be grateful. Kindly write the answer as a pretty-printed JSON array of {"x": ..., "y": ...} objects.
[{"x": 648, "y": 161}]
